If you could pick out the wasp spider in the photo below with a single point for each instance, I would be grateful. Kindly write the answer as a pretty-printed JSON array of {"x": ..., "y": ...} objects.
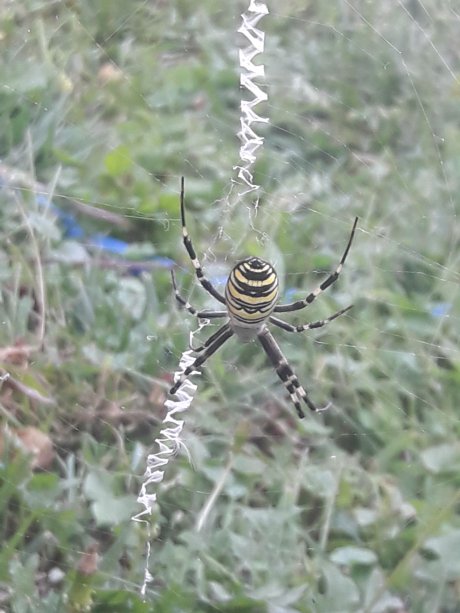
[{"x": 251, "y": 295}]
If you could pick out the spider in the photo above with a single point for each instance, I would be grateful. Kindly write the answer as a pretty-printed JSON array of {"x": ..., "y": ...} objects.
[{"x": 251, "y": 295}]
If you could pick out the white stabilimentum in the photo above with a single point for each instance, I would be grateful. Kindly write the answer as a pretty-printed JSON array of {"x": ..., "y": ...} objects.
[
  {"x": 250, "y": 141},
  {"x": 168, "y": 444}
]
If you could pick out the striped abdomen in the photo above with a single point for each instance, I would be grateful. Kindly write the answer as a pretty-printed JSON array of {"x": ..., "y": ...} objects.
[{"x": 251, "y": 293}]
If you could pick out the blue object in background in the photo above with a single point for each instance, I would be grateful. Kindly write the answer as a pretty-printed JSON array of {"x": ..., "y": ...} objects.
[
  {"x": 68, "y": 223},
  {"x": 114, "y": 246},
  {"x": 441, "y": 309}
]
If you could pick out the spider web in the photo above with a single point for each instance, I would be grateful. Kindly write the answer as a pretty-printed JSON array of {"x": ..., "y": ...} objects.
[{"x": 363, "y": 120}]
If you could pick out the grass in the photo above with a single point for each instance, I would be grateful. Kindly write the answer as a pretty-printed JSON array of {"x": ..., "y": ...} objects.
[{"x": 356, "y": 509}]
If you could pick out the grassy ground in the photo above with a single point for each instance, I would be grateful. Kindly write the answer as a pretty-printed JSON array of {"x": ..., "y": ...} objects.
[{"x": 356, "y": 509}]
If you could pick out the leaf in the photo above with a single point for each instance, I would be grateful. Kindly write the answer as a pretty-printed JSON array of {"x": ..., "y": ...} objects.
[
  {"x": 118, "y": 161},
  {"x": 108, "y": 508},
  {"x": 442, "y": 458},
  {"x": 70, "y": 252},
  {"x": 112, "y": 511},
  {"x": 131, "y": 297},
  {"x": 23, "y": 581},
  {"x": 249, "y": 466},
  {"x": 382, "y": 600},
  {"x": 353, "y": 555},
  {"x": 320, "y": 482},
  {"x": 446, "y": 547},
  {"x": 340, "y": 594}
]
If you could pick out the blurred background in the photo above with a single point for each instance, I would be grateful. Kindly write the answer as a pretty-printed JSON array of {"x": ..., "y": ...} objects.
[{"x": 104, "y": 106}]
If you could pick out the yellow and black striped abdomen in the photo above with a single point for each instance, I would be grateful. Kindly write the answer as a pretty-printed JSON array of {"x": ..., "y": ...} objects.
[{"x": 251, "y": 292}]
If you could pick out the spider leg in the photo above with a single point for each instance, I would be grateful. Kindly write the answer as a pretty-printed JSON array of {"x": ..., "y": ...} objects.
[
  {"x": 218, "y": 339},
  {"x": 188, "y": 307},
  {"x": 206, "y": 284},
  {"x": 332, "y": 278},
  {"x": 314, "y": 324},
  {"x": 211, "y": 339},
  {"x": 285, "y": 372}
]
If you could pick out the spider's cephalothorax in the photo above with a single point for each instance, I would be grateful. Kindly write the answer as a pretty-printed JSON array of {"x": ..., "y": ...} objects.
[{"x": 251, "y": 296}]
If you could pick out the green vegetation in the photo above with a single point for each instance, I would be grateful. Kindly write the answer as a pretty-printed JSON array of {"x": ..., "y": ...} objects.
[{"x": 355, "y": 509}]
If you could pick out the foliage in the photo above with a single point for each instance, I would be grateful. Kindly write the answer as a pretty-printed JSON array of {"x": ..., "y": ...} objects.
[{"x": 356, "y": 509}]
